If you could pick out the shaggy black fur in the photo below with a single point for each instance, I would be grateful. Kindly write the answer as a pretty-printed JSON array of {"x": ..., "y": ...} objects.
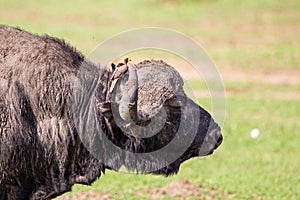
[{"x": 45, "y": 150}]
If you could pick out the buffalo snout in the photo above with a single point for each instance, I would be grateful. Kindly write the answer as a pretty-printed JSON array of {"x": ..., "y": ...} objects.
[{"x": 213, "y": 138}]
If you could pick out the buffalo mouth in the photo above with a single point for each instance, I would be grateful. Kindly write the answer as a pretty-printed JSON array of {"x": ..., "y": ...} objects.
[
  {"x": 213, "y": 139},
  {"x": 210, "y": 141}
]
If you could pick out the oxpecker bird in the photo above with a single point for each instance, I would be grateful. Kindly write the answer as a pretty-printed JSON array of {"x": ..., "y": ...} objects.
[{"x": 119, "y": 71}]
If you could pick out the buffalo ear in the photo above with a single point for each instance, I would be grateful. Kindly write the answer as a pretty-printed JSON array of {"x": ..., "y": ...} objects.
[{"x": 105, "y": 109}]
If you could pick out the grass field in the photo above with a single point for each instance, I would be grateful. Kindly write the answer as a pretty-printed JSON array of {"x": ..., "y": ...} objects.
[{"x": 256, "y": 46}]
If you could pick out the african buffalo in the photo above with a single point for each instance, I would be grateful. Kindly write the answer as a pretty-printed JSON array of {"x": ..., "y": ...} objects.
[{"x": 64, "y": 120}]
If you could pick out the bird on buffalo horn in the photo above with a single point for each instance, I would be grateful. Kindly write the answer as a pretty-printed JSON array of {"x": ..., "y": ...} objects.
[{"x": 119, "y": 70}]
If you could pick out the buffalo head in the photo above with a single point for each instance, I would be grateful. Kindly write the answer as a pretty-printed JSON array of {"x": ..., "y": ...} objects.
[{"x": 144, "y": 120}]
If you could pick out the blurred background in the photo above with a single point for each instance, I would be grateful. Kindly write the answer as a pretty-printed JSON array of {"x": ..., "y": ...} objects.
[{"x": 256, "y": 48}]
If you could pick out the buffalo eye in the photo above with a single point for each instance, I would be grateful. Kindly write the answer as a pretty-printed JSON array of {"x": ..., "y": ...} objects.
[{"x": 176, "y": 102}]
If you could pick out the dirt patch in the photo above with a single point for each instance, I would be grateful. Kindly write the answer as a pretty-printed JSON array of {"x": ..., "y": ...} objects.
[
  {"x": 90, "y": 195},
  {"x": 183, "y": 189},
  {"x": 178, "y": 190},
  {"x": 276, "y": 77}
]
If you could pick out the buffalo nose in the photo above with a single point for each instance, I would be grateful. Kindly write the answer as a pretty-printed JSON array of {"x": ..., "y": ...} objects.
[{"x": 219, "y": 139}]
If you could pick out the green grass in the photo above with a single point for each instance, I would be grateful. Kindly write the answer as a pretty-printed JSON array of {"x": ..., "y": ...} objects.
[
  {"x": 247, "y": 34},
  {"x": 257, "y": 36}
]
